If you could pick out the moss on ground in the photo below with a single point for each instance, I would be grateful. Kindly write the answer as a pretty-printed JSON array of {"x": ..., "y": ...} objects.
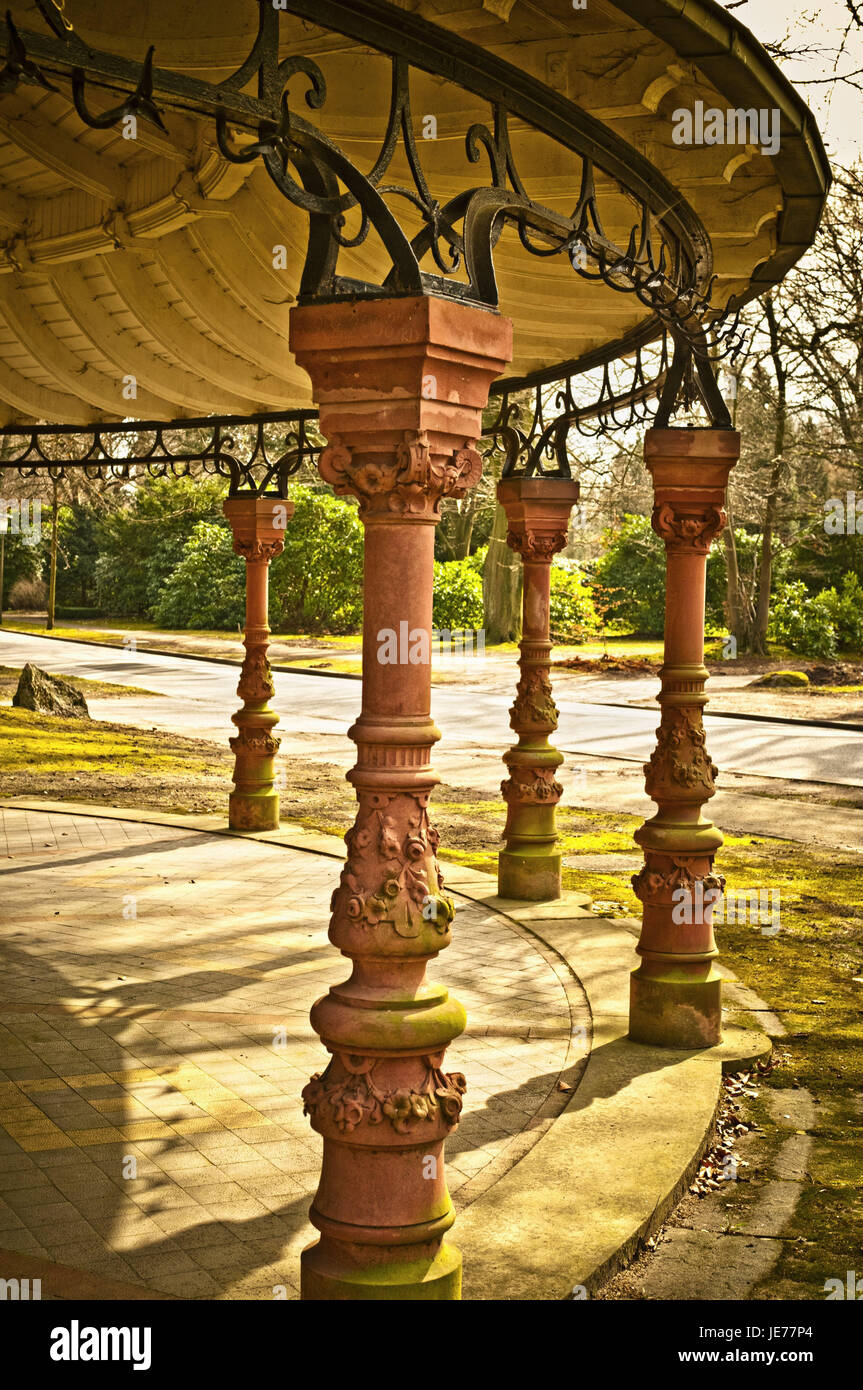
[{"x": 74, "y": 759}]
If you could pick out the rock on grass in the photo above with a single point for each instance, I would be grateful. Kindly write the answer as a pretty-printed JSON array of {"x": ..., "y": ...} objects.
[
  {"x": 794, "y": 679},
  {"x": 49, "y": 694}
]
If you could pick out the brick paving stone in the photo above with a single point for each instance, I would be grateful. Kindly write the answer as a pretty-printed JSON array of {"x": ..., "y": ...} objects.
[{"x": 153, "y": 1039}]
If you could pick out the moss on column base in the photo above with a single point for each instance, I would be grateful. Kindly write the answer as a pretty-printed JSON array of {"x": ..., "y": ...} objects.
[
  {"x": 528, "y": 877},
  {"x": 253, "y": 810},
  {"x": 675, "y": 1012},
  {"x": 339, "y": 1272}
]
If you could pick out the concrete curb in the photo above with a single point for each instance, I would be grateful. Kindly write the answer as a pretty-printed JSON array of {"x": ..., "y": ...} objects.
[
  {"x": 606, "y": 1172},
  {"x": 181, "y": 656},
  {"x": 613, "y": 1164},
  {"x": 756, "y": 718}
]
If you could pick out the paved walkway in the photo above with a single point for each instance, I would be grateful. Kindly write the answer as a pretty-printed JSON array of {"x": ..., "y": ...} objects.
[{"x": 154, "y": 1040}]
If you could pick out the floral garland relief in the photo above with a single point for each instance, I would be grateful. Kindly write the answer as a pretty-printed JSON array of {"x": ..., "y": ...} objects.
[
  {"x": 393, "y": 836},
  {"x": 680, "y": 755},
  {"x": 355, "y": 1098}
]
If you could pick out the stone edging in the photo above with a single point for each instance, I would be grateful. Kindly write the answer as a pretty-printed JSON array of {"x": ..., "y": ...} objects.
[{"x": 607, "y": 1172}]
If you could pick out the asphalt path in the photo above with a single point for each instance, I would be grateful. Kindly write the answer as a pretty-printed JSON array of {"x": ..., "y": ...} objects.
[{"x": 200, "y": 696}]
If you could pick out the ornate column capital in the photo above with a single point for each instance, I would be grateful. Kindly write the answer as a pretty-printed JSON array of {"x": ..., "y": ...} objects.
[
  {"x": 690, "y": 470},
  {"x": 688, "y": 527},
  {"x": 258, "y": 525},
  {"x": 401, "y": 384},
  {"x": 537, "y": 510},
  {"x": 410, "y": 484}
]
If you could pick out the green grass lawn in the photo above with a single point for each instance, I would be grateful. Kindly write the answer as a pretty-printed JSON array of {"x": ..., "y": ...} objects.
[{"x": 108, "y": 629}]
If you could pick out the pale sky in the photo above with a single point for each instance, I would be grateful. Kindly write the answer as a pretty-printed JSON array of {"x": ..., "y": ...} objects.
[{"x": 837, "y": 107}]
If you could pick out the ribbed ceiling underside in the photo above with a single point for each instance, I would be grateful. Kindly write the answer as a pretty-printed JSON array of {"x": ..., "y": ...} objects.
[{"x": 154, "y": 259}]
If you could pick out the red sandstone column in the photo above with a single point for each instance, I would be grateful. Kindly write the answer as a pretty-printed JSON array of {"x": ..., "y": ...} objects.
[
  {"x": 538, "y": 511},
  {"x": 675, "y": 998},
  {"x": 401, "y": 384},
  {"x": 258, "y": 526}
]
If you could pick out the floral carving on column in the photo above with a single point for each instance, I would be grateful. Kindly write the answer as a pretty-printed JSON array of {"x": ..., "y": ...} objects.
[
  {"x": 680, "y": 757},
  {"x": 392, "y": 879},
  {"x": 411, "y": 484},
  {"x": 347, "y": 1089},
  {"x": 534, "y": 702},
  {"x": 688, "y": 529}
]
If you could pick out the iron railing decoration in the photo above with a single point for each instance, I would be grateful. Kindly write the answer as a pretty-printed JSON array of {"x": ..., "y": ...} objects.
[{"x": 257, "y": 454}]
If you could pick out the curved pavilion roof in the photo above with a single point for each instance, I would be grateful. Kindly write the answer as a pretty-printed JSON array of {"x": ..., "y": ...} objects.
[{"x": 153, "y": 256}]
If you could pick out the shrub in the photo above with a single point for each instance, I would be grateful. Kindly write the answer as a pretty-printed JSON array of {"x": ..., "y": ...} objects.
[
  {"x": 801, "y": 622},
  {"x": 27, "y": 594},
  {"x": 207, "y": 588},
  {"x": 316, "y": 584},
  {"x": 457, "y": 596},
  {"x": 65, "y": 611},
  {"x": 845, "y": 610},
  {"x": 572, "y": 614},
  {"x": 142, "y": 543},
  {"x": 629, "y": 577}
]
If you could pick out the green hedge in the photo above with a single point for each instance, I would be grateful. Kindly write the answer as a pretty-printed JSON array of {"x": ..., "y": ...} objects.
[{"x": 65, "y": 611}]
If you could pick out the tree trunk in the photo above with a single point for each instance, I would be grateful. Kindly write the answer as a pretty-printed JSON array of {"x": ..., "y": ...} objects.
[
  {"x": 732, "y": 584},
  {"x": 463, "y": 528},
  {"x": 765, "y": 568},
  {"x": 2, "y": 566},
  {"x": 501, "y": 585},
  {"x": 765, "y": 577},
  {"x": 741, "y": 614},
  {"x": 52, "y": 579}
]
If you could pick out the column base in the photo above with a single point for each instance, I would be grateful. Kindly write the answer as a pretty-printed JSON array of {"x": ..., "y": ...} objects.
[
  {"x": 253, "y": 810},
  {"x": 338, "y": 1272},
  {"x": 528, "y": 877},
  {"x": 675, "y": 1012}
]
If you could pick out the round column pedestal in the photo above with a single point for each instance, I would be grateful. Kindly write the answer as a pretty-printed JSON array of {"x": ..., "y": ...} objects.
[
  {"x": 341, "y": 1270},
  {"x": 672, "y": 1008},
  {"x": 529, "y": 877}
]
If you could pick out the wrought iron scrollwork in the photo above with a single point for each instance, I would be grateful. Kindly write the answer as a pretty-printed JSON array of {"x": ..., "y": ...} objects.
[
  {"x": 18, "y": 67},
  {"x": 660, "y": 378},
  {"x": 314, "y": 174},
  {"x": 665, "y": 264},
  {"x": 138, "y": 103},
  {"x": 257, "y": 454}
]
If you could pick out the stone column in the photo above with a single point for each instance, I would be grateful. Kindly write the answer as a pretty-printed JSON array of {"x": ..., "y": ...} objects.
[
  {"x": 401, "y": 384},
  {"x": 258, "y": 526},
  {"x": 537, "y": 510},
  {"x": 675, "y": 997}
]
